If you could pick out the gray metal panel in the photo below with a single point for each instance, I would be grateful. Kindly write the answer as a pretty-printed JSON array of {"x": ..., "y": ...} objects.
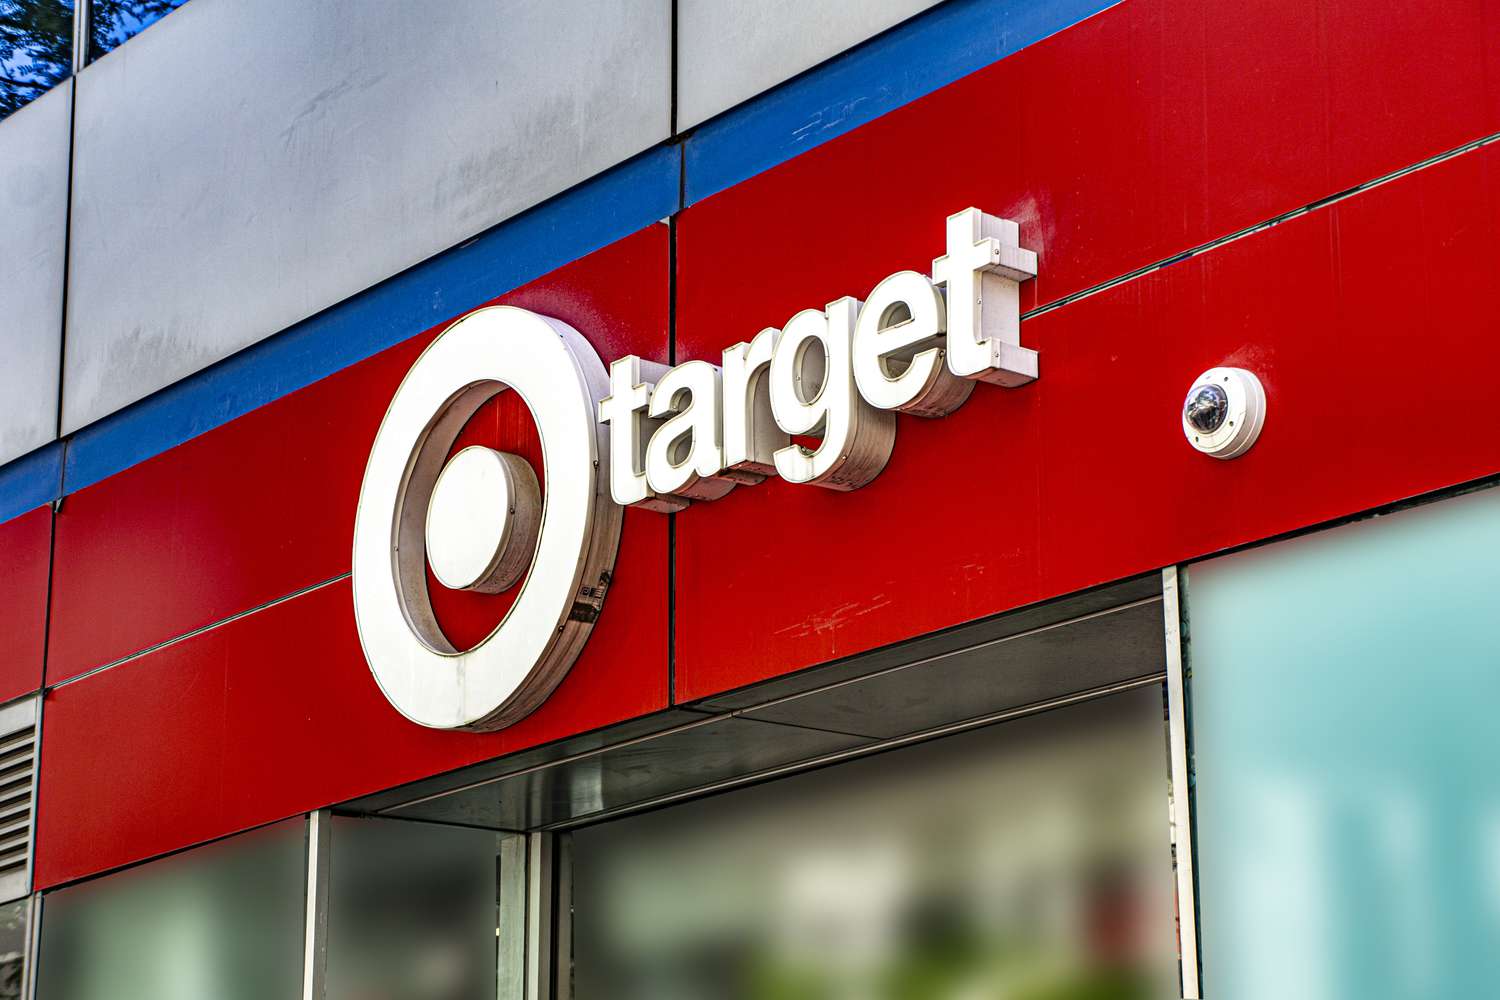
[
  {"x": 244, "y": 165},
  {"x": 537, "y": 757},
  {"x": 1085, "y": 646},
  {"x": 686, "y": 759},
  {"x": 730, "y": 50},
  {"x": 1107, "y": 648},
  {"x": 34, "y": 205}
]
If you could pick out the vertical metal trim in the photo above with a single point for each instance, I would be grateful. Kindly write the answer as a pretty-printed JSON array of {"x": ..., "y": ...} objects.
[
  {"x": 319, "y": 862},
  {"x": 82, "y": 23},
  {"x": 510, "y": 916},
  {"x": 33, "y": 946},
  {"x": 539, "y": 887},
  {"x": 1184, "y": 857},
  {"x": 563, "y": 918}
]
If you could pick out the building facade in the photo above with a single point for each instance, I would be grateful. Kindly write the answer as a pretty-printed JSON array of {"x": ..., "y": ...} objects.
[{"x": 1056, "y": 675}]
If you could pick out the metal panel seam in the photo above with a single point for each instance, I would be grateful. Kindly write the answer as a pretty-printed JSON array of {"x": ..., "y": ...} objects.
[{"x": 194, "y": 633}]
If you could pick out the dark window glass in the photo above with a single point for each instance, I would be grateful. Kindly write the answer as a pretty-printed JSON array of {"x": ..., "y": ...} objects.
[
  {"x": 36, "y": 49},
  {"x": 112, "y": 22},
  {"x": 412, "y": 912}
]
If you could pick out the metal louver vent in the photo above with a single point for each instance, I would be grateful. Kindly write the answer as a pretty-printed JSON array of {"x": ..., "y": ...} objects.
[{"x": 17, "y": 795}]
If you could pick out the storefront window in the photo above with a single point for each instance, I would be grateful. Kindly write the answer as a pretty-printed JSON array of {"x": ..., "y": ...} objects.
[
  {"x": 36, "y": 49},
  {"x": 412, "y": 912},
  {"x": 223, "y": 921},
  {"x": 1348, "y": 811},
  {"x": 1028, "y": 860}
]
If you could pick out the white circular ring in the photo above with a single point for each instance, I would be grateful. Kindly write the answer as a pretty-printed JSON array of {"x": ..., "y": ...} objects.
[
  {"x": 507, "y": 675},
  {"x": 482, "y": 521}
]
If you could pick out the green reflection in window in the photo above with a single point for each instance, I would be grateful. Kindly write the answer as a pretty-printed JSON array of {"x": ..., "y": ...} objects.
[
  {"x": 1028, "y": 861},
  {"x": 223, "y": 921}
]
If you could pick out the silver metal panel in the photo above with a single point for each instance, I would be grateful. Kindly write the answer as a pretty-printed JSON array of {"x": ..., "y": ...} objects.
[
  {"x": 728, "y": 51},
  {"x": 511, "y": 904},
  {"x": 1051, "y": 662},
  {"x": 33, "y": 939},
  {"x": 693, "y": 757},
  {"x": 34, "y": 207},
  {"x": 315, "y": 926},
  {"x": 540, "y": 873},
  {"x": 536, "y": 757},
  {"x": 244, "y": 165}
]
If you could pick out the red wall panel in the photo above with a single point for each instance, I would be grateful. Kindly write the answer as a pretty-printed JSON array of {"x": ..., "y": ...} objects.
[
  {"x": 1153, "y": 127},
  {"x": 25, "y": 555},
  {"x": 1364, "y": 320},
  {"x": 276, "y": 713},
  {"x": 264, "y": 505}
]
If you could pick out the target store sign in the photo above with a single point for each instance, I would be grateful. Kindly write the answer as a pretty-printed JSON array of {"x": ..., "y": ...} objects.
[{"x": 812, "y": 402}]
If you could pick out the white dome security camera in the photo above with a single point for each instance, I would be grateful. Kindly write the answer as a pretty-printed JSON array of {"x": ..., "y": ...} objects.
[{"x": 1224, "y": 412}]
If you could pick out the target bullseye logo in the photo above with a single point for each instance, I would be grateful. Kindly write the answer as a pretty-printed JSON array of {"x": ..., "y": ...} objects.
[
  {"x": 812, "y": 402},
  {"x": 482, "y": 522}
]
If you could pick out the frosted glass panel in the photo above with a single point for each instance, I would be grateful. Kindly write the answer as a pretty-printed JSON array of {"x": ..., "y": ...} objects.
[
  {"x": 1021, "y": 862},
  {"x": 1344, "y": 693},
  {"x": 411, "y": 912},
  {"x": 222, "y": 922}
]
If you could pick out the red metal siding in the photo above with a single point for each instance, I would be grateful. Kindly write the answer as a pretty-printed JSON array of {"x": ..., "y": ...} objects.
[
  {"x": 276, "y": 712},
  {"x": 1083, "y": 477},
  {"x": 264, "y": 505},
  {"x": 1140, "y": 133},
  {"x": 25, "y": 552}
]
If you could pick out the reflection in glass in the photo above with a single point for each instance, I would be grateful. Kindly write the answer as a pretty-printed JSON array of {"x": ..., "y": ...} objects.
[
  {"x": 1347, "y": 799},
  {"x": 113, "y": 22},
  {"x": 12, "y": 949},
  {"x": 1028, "y": 861},
  {"x": 223, "y": 921},
  {"x": 411, "y": 913},
  {"x": 36, "y": 49}
]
